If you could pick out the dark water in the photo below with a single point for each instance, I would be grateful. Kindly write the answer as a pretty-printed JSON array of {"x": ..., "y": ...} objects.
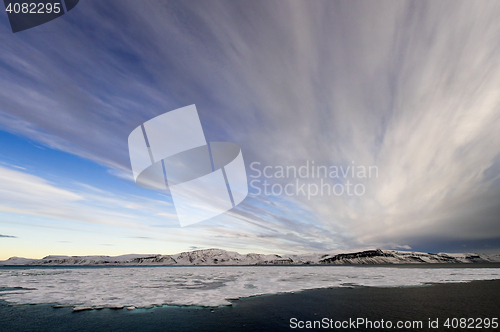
[{"x": 478, "y": 299}]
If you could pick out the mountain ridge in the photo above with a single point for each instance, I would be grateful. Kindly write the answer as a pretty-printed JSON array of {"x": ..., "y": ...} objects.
[{"x": 222, "y": 257}]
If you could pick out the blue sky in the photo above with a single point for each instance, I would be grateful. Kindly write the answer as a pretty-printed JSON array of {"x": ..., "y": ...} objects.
[{"x": 411, "y": 88}]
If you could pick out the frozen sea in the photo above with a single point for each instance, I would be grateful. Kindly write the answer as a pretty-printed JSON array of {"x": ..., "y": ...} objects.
[{"x": 207, "y": 286}]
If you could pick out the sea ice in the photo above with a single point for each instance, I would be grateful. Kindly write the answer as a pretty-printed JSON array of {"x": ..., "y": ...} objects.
[{"x": 145, "y": 287}]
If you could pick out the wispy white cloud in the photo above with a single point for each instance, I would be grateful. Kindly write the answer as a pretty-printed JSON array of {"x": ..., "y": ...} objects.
[{"x": 30, "y": 194}]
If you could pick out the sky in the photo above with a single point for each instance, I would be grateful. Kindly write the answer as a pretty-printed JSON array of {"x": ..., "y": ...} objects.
[{"x": 410, "y": 90}]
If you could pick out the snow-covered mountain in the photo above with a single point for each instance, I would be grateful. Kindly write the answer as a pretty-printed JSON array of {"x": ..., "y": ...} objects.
[{"x": 223, "y": 257}]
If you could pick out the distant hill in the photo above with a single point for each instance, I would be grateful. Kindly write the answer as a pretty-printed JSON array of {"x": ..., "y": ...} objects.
[{"x": 223, "y": 257}]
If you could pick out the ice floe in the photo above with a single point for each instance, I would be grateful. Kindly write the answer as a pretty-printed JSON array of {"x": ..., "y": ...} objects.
[{"x": 145, "y": 287}]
